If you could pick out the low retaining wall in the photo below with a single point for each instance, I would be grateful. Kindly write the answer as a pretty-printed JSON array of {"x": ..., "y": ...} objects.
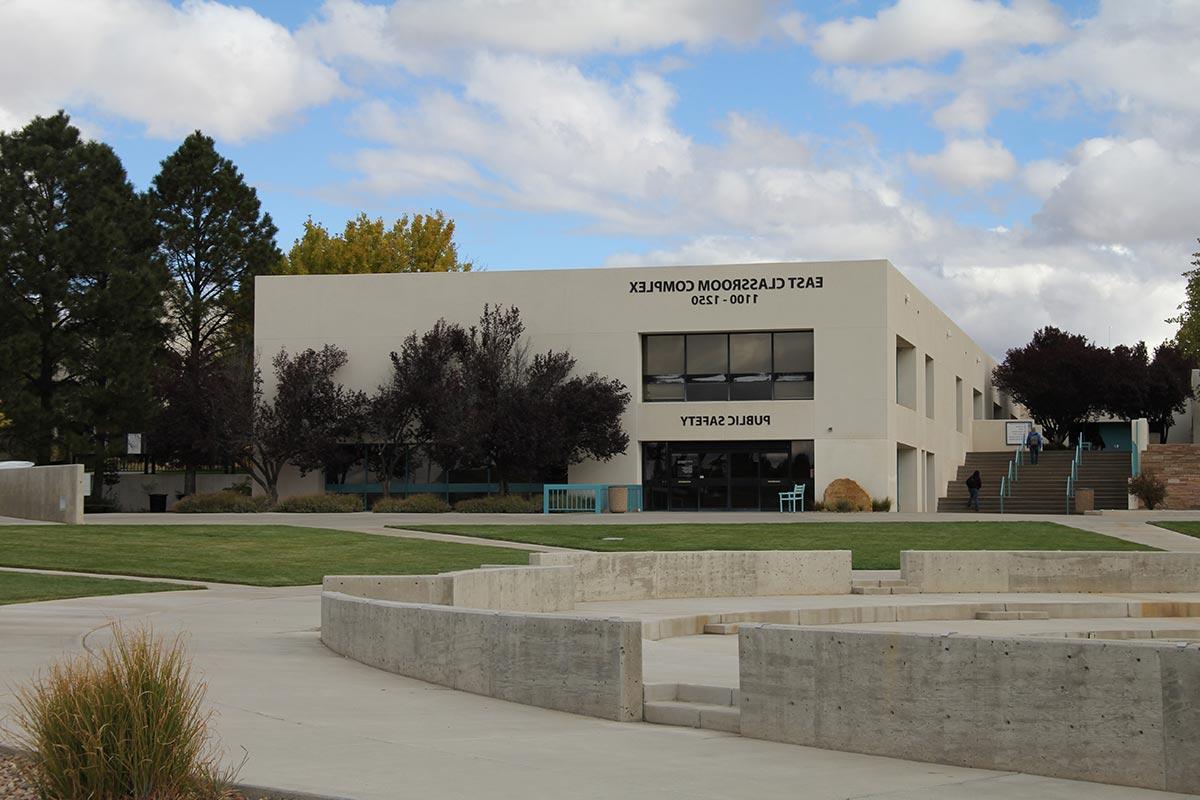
[
  {"x": 574, "y": 664},
  {"x": 1053, "y": 571},
  {"x": 1120, "y": 713},
  {"x": 499, "y": 588},
  {"x": 706, "y": 573},
  {"x": 52, "y": 494}
]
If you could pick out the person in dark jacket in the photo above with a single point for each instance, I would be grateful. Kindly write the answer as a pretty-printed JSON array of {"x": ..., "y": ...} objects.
[{"x": 974, "y": 484}]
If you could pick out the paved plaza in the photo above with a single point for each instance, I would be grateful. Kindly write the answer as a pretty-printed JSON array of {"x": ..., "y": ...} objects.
[{"x": 309, "y": 720}]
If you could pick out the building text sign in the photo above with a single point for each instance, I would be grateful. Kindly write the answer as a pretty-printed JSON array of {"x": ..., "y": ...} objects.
[
  {"x": 1015, "y": 432},
  {"x": 728, "y": 291},
  {"x": 724, "y": 420}
]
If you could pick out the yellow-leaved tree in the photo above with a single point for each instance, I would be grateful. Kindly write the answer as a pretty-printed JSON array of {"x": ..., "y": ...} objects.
[{"x": 420, "y": 243}]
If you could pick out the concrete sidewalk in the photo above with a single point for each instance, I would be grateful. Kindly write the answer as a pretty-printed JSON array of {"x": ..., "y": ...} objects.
[{"x": 312, "y": 721}]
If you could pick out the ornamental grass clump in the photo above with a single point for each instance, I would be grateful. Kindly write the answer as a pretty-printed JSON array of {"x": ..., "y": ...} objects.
[{"x": 123, "y": 724}]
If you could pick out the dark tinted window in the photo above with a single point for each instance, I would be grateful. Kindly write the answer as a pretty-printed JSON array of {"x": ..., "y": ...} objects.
[
  {"x": 664, "y": 355},
  {"x": 749, "y": 352},
  {"x": 794, "y": 351},
  {"x": 707, "y": 353}
]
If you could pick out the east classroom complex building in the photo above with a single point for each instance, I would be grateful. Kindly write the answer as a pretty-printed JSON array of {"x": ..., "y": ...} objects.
[{"x": 746, "y": 379}]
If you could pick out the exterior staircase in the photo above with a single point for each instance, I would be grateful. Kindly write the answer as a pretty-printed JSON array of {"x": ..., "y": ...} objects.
[
  {"x": 1041, "y": 488},
  {"x": 692, "y": 706}
]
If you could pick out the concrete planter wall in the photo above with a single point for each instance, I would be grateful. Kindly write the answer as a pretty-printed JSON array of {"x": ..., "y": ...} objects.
[
  {"x": 1053, "y": 571},
  {"x": 1116, "y": 712}
]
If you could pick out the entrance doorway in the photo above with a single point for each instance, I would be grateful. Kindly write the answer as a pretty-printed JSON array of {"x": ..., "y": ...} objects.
[{"x": 721, "y": 476}]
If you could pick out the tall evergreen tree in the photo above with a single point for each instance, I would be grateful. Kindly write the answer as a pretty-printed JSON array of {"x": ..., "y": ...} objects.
[
  {"x": 214, "y": 240},
  {"x": 80, "y": 294}
]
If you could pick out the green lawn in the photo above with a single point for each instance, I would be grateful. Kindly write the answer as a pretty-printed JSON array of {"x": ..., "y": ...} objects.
[
  {"x": 876, "y": 545},
  {"x": 25, "y": 587},
  {"x": 262, "y": 555},
  {"x": 1181, "y": 526}
]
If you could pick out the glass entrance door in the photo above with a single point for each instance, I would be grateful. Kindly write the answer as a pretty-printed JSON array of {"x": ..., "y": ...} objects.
[{"x": 716, "y": 476}]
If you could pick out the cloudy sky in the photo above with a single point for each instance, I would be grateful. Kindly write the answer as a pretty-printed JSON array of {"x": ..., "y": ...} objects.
[{"x": 1024, "y": 162}]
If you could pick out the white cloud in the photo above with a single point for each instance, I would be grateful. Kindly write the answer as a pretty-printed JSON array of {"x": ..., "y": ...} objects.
[
  {"x": 170, "y": 68},
  {"x": 968, "y": 163},
  {"x": 922, "y": 30},
  {"x": 1126, "y": 192},
  {"x": 425, "y": 35},
  {"x": 969, "y": 111},
  {"x": 1042, "y": 176}
]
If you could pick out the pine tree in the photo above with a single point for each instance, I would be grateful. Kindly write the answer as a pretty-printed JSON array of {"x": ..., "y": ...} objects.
[
  {"x": 80, "y": 295},
  {"x": 214, "y": 240}
]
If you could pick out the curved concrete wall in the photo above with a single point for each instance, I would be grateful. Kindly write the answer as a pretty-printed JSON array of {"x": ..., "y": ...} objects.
[
  {"x": 704, "y": 573},
  {"x": 584, "y": 666},
  {"x": 499, "y": 588},
  {"x": 1050, "y": 571},
  {"x": 1085, "y": 709}
]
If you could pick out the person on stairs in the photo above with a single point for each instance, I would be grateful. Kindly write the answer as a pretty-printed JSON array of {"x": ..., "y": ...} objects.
[
  {"x": 974, "y": 484},
  {"x": 1033, "y": 440}
]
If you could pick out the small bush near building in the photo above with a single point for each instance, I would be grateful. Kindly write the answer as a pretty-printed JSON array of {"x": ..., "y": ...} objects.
[
  {"x": 842, "y": 506},
  {"x": 127, "y": 722},
  {"x": 1149, "y": 488},
  {"x": 881, "y": 505},
  {"x": 224, "y": 502},
  {"x": 320, "y": 504},
  {"x": 414, "y": 504},
  {"x": 500, "y": 504}
]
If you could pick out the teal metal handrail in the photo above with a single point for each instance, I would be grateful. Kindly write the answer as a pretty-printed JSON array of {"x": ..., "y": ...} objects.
[
  {"x": 1070, "y": 491},
  {"x": 585, "y": 497},
  {"x": 1004, "y": 489}
]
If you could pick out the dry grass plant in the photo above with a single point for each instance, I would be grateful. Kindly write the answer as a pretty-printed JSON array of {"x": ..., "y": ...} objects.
[{"x": 126, "y": 723}]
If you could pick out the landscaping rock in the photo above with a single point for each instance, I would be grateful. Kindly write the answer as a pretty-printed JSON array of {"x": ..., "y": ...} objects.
[{"x": 846, "y": 489}]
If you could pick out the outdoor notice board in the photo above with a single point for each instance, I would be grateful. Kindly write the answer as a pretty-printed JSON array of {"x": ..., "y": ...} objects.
[{"x": 1015, "y": 432}]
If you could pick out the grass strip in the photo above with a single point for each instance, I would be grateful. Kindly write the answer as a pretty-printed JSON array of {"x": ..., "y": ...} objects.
[
  {"x": 28, "y": 587},
  {"x": 876, "y": 545},
  {"x": 258, "y": 555}
]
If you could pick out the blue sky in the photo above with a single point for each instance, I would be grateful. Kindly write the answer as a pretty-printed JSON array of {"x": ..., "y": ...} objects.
[{"x": 1024, "y": 162}]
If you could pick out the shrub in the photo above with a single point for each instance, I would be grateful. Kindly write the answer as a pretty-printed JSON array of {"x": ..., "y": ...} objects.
[
  {"x": 126, "y": 722},
  {"x": 843, "y": 505},
  {"x": 817, "y": 505},
  {"x": 413, "y": 504},
  {"x": 320, "y": 504},
  {"x": 500, "y": 504},
  {"x": 223, "y": 502},
  {"x": 1149, "y": 488},
  {"x": 881, "y": 505}
]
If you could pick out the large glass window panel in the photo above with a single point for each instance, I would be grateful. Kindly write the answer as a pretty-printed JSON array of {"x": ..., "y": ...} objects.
[
  {"x": 707, "y": 353},
  {"x": 663, "y": 391},
  {"x": 742, "y": 389},
  {"x": 707, "y": 391},
  {"x": 663, "y": 355},
  {"x": 793, "y": 387},
  {"x": 794, "y": 351},
  {"x": 749, "y": 353}
]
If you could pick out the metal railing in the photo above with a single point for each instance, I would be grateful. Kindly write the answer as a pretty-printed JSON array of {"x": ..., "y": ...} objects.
[
  {"x": 1005, "y": 490},
  {"x": 1012, "y": 476},
  {"x": 1073, "y": 475},
  {"x": 585, "y": 497},
  {"x": 1070, "y": 491}
]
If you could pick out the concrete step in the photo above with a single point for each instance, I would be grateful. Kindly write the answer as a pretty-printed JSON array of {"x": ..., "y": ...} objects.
[
  {"x": 1000, "y": 615},
  {"x": 897, "y": 587},
  {"x": 709, "y": 716},
  {"x": 721, "y": 628}
]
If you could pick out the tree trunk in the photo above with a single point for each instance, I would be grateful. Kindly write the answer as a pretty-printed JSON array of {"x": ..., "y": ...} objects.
[{"x": 189, "y": 480}]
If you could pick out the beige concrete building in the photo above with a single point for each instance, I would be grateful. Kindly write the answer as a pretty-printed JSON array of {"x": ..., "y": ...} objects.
[{"x": 746, "y": 378}]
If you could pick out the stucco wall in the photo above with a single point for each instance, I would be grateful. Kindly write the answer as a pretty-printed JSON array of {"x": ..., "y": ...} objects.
[
  {"x": 1116, "y": 712},
  {"x": 500, "y": 588},
  {"x": 1050, "y": 571},
  {"x": 708, "y": 573},
  {"x": 584, "y": 666},
  {"x": 855, "y": 316},
  {"x": 53, "y": 494}
]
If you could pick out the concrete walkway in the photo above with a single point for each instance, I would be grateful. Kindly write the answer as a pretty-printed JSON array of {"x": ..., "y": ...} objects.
[{"x": 312, "y": 721}]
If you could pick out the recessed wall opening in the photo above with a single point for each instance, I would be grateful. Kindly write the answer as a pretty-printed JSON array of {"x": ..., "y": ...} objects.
[
  {"x": 929, "y": 387},
  {"x": 906, "y": 374}
]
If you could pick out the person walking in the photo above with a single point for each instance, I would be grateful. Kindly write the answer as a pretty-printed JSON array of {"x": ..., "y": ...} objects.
[
  {"x": 974, "y": 484},
  {"x": 1033, "y": 440}
]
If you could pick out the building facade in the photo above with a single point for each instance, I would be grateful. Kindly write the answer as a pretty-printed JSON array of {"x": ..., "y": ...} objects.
[{"x": 746, "y": 379}]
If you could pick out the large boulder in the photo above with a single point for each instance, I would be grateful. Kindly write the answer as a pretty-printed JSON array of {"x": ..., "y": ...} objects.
[{"x": 848, "y": 490}]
